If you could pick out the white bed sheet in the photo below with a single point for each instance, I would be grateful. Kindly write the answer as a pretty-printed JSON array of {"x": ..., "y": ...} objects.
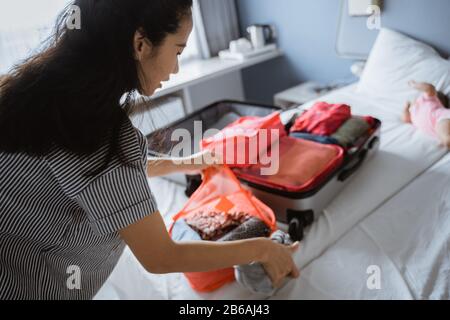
[
  {"x": 408, "y": 238},
  {"x": 405, "y": 154}
]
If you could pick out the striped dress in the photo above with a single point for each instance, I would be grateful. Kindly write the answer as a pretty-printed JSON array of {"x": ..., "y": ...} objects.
[{"x": 59, "y": 227}]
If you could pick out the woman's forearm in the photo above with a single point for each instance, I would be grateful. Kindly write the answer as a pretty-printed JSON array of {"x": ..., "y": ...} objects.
[
  {"x": 157, "y": 167},
  {"x": 161, "y": 167},
  {"x": 206, "y": 256}
]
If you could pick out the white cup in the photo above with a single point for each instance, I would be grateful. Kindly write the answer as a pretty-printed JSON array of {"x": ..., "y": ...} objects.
[
  {"x": 240, "y": 46},
  {"x": 244, "y": 45}
]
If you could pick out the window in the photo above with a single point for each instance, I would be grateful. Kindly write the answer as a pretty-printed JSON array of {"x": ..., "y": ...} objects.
[
  {"x": 196, "y": 46},
  {"x": 192, "y": 50},
  {"x": 25, "y": 24}
]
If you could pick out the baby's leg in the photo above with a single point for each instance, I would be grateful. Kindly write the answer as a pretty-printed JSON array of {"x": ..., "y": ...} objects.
[
  {"x": 443, "y": 132},
  {"x": 406, "y": 114}
]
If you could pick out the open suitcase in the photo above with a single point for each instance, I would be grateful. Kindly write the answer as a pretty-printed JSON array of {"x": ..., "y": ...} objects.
[{"x": 295, "y": 210}]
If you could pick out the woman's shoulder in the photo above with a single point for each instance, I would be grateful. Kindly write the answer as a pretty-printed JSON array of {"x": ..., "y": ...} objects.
[
  {"x": 132, "y": 142},
  {"x": 73, "y": 171}
]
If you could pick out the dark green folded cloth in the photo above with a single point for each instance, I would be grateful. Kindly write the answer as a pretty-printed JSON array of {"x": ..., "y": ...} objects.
[
  {"x": 351, "y": 131},
  {"x": 252, "y": 228}
]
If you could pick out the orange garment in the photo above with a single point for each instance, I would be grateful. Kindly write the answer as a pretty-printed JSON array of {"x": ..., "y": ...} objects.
[{"x": 221, "y": 191}]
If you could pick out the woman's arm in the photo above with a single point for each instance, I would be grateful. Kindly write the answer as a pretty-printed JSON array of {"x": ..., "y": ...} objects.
[
  {"x": 158, "y": 253},
  {"x": 157, "y": 167},
  {"x": 163, "y": 167}
]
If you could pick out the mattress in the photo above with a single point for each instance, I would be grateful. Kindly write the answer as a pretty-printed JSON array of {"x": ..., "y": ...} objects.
[
  {"x": 351, "y": 233},
  {"x": 407, "y": 240}
]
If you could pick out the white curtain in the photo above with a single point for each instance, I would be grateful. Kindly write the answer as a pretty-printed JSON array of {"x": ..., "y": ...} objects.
[
  {"x": 24, "y": 25},
  {"x": 194, "y": 49},
  {"x": 218, "y": 26}
]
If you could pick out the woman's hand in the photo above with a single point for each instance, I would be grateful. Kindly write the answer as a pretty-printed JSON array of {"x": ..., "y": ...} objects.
[{"x": 278, "y": 262}]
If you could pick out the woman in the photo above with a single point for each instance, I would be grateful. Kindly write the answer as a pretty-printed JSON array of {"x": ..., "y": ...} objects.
[{"x": 73, "y": 184}]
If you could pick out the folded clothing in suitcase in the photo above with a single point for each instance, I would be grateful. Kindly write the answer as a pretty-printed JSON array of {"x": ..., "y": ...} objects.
[
  {"x": 295, "y": 209},
  {"x": 312, "y": 169},
  {"x": 302, "y": 165},
  {"x": 242, "y": 142},
  {"x": 322, "y": 119}
]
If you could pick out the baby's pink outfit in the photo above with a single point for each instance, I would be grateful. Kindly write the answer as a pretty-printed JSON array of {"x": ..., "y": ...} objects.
[{"x": 427, "y": 112}]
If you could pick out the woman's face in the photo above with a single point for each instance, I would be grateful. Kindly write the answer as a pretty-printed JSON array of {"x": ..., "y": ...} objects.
[{"x": 156, "y": 64}]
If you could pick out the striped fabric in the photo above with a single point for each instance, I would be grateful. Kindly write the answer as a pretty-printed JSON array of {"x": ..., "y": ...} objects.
[{"x": 58, "y": 228}]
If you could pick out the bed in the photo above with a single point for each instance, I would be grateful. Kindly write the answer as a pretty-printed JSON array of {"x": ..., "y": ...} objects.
[{"x": 390, "y": 225}]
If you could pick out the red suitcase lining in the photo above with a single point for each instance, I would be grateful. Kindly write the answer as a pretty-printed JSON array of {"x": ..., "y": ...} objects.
[{"x": 313, "y": 161}]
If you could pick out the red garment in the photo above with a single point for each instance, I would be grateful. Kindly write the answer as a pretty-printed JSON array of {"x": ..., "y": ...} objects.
[
  {"x": 322, "y": 119},
  {"x": 370, "y": 121},
  {"x": 244, "y": 141}
]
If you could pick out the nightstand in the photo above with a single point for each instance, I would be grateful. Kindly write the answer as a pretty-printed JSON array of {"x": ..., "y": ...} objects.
[{"x": 301, "y": 94}]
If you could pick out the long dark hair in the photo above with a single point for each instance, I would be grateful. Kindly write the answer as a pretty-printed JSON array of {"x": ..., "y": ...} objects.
[{"x": 70, "y": 94}]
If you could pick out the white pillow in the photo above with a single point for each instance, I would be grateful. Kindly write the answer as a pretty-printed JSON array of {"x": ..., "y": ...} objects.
[{"x": 396, "y": 59}]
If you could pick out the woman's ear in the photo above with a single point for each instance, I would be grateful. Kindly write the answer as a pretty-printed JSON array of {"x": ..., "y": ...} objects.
[{"x": 142, "y": 47}]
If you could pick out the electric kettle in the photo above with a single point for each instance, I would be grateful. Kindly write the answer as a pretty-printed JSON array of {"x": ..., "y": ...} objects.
[{"x": 261, "y": 35}]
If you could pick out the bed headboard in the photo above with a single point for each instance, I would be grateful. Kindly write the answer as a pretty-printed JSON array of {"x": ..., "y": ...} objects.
[{"x": 424, "y": 20}]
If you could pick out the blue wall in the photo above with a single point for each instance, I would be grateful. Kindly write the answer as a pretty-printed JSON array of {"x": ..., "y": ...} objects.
[{"x": 307, "y": 35}]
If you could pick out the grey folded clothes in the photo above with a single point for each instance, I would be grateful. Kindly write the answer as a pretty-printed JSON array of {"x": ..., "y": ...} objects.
[
  {"x": 349, "y": 133},
  {"x": 181, "y": 231},
  {"x": 253, "y": 277},
  {"x": 252, "y": 228}
]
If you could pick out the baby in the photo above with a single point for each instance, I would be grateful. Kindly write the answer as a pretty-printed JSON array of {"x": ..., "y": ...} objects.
[{"x": 429, "y": 114}]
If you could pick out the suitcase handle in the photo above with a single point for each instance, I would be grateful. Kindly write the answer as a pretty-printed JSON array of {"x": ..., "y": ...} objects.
[{"x": 347, "y": 173}]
